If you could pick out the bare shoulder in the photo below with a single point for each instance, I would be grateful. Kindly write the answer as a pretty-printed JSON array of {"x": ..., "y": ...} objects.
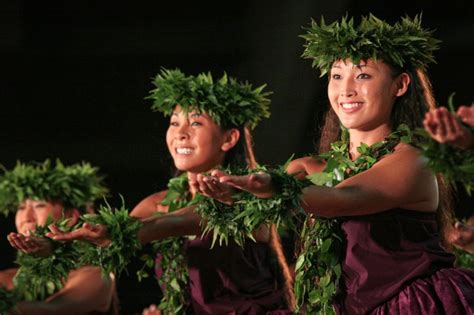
[
  {"x": 406, "y": 155},
  {"x": 305, "y": 166},
  {"x": 150, "y": 205}
]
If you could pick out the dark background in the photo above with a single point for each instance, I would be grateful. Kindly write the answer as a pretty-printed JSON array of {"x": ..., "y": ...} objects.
[{"x": 74, "y": 75}]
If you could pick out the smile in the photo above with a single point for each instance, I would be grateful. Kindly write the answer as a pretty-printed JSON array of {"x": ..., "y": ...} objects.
[
  {"x": 351, "y": 107},
  {"x": 184, "y": 151}
]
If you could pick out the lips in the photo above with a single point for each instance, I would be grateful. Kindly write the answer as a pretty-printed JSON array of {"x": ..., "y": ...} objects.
[
  {"x": 350, "y": 107},
  {"x": 184, "y": 151}
]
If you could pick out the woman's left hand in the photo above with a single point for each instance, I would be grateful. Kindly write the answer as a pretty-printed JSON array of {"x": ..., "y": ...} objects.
[{"x": 32, "y": 245}]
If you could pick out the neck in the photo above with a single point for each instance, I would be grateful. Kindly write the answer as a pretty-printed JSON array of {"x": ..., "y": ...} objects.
[{"x": 369, "y": 137}]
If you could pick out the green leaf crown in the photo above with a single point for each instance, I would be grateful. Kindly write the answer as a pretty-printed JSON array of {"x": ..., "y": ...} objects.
[
  {"x": 76, "y": 185},
  {"x": 405, "y": 44},
  {"x": 228, "y": 102}
]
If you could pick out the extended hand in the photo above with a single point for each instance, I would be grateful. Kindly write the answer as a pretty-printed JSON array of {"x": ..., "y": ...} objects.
[
  {"x": 466, "y": 113},
  {"x": 444, "y": 127},
  {"x": 210, "y": 186},
  {"x": 259, "y": 184},
  {"x": 28, "y": 244},
  {"x": 96, "y": 234}
]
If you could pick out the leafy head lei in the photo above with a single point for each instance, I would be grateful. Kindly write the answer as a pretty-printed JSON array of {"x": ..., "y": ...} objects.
[
  {"x": 75, "y": 186},
  {"x": 405, "y": 44},
  {"x": 227, "y": 101}
]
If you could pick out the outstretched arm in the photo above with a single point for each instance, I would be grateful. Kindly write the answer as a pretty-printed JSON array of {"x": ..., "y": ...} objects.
[{"x": 85, "y": 291}]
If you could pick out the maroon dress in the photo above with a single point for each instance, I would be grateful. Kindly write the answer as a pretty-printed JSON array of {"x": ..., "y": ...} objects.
[
  {"x": 233, "y": 280},
  {"x": 394, "y": 264}
]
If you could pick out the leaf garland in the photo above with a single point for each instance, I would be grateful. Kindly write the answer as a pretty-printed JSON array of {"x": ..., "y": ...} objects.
[
  {"x": 175, "y": 278},
  {"x": 122, "y": 230},
  {"x": 456, "y": 165},
  {"x": 318, "y": 267},
  {"x": 227, "y": 101},
  {"x": 76, "y": 185},
  {"x": 239, "y": 221},
  {"x": 405, "y": 44},
  {"x": 8, "y": 299}
]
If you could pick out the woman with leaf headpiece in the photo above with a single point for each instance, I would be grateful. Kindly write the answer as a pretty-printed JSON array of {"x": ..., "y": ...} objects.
[
  {"x": 40, "y": 194},
  {"x": 371, "y": 194},
  {"x": 209, "y": 128}
]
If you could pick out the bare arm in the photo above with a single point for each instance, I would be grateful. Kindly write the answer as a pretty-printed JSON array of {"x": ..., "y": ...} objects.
[
  {"x": 181, "y": 222},
  {"x": 399, "y": 180},
  {"x": 85, "y": 291}
]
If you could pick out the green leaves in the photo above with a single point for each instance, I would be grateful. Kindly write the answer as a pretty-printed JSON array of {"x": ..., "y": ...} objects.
[
  {"x": 318, "y": 266},
  {"x": 405, "y": 44},
  {"x": 76, "y": 185},
  {"x": 227, "y": 101},
  {"x": 239, "y": 221}
]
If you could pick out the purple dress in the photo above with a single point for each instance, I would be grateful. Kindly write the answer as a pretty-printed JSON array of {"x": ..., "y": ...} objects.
[
  {"x": 233, "y": 280},
  {"x": 394, "y": 264}
]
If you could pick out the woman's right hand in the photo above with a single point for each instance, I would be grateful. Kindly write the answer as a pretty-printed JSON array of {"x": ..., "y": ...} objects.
[
  {"x": 444, "y": 127},
  {"x": 29, "y": 244},
  {"x": 93, "y": 233}
]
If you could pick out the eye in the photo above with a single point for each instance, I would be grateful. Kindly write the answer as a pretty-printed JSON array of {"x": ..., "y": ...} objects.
[
  {"x": 196, "y": 123},
  {"x": 21, "y": 207},
  {"x": 364, "y": 76},
  {"x": 40, "y": 206},
  {"x": 335, "y": 76},
  {"x": 174, "y": 123}
]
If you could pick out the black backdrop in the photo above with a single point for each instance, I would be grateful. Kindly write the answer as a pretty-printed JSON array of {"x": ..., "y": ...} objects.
[{"x": 74, "y": 75}]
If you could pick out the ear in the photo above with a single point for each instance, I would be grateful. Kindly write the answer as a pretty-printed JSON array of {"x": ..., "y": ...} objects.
[
  {"x": 232, "y": 136},
  {"x": 403, "y": 81}
]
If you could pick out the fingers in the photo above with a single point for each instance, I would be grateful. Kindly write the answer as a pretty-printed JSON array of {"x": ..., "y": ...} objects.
[
  {"x": 23, "y": 243},
  {"x": 151, "y": 310},
  {"x": 466, "y": 113}
]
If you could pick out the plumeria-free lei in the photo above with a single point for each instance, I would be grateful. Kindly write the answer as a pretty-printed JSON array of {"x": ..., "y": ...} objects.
[
  {"x": 318, "y": 267},
  {"x": 238, "y": 222}
]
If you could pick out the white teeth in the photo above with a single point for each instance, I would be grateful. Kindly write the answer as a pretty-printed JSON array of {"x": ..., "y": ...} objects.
[
  {"x": 184, "y": 150},
  {"x": 350, "y": 105}
]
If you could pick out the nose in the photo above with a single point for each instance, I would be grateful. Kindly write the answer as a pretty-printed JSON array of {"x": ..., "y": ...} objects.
[
  {"x": 348, "y": 88},
  {"x": 29, "y": 213},
  {"x": 182, "y": 133}
]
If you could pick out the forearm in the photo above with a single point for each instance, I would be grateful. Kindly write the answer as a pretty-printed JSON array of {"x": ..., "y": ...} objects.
[{"x": 181, "y": 222}]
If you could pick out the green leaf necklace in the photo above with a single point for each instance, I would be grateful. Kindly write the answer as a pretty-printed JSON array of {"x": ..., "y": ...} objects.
[{"x": 318, "y": 267}]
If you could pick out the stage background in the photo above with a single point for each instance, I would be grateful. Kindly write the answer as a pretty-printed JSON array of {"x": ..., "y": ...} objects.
[{"x": 74, "y": 75}]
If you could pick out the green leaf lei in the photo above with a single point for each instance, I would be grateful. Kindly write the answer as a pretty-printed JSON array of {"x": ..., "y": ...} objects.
[
  {"x": 248, "y": 212},
  {"x": 405, "y": 44},
  {"x": 318, "y": 267},
  {"x": 8, "y": 299},
  {"x": 227, "y": 101},
  {"x": 455, "y": 164},
  {"x": 175, "y": 278},
  {"x": 122, "y": 230}
]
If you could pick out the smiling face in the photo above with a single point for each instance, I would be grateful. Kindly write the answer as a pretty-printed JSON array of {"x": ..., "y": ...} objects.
[
  {"x": 196, "y": 143},
  {"x": 31, "y": 213},
  {"x": 363, "y": 95}
]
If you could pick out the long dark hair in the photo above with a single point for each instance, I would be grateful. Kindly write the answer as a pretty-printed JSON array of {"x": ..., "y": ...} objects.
[{"x": 408, "y": 109}]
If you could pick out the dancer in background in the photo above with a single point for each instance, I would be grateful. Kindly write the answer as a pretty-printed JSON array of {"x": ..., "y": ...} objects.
[{"x": 41, "y": 194}]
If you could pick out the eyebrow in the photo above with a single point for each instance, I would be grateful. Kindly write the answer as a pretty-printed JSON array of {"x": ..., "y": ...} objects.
[{"x": 194, "y": 115}]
